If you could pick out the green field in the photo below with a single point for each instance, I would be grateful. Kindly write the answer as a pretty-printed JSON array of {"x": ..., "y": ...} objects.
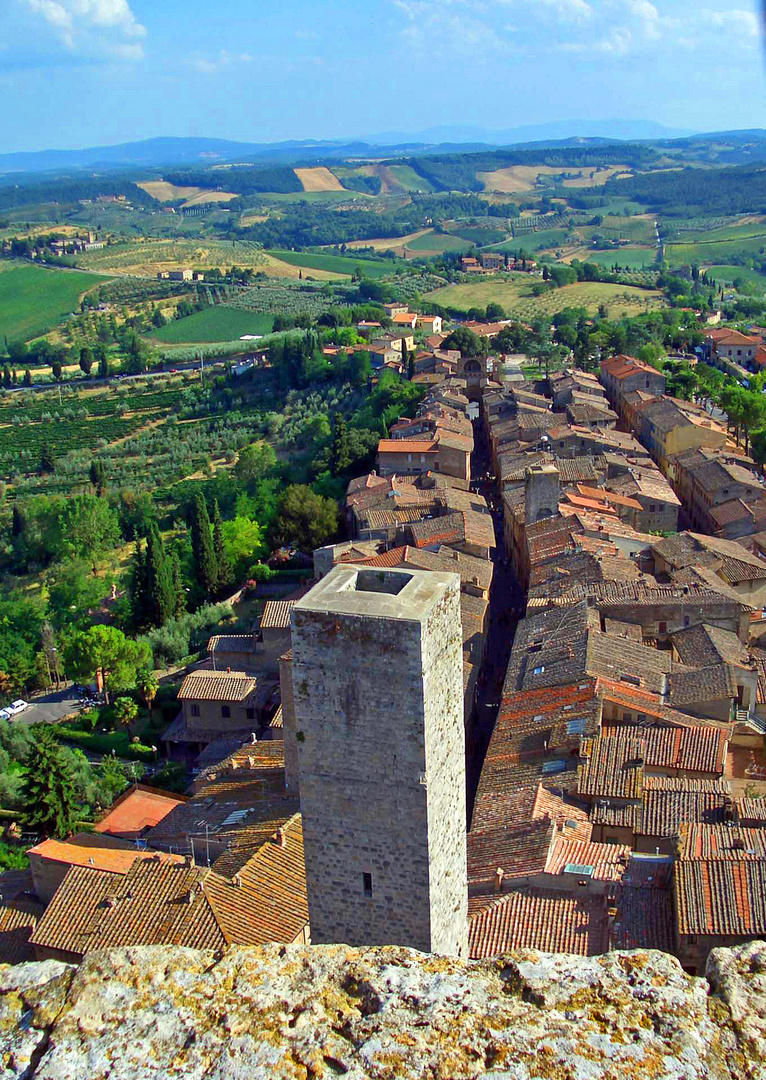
[
  {"x": 409, "y": 179},
  {"x": 638, "y": 229},
  {"x": 482, "y": 237},
  {"x": 725, "y": 232},
  {"x": 214, "y": 324},
  {"x": 533, "y": 241},
  {"x": 438, "y": 242},
  {"x": 718, "y": 252},
  {"x": 634, "y": 258},
  {"x": 613, "y": 205},
  {"x": 34, "y": 300},
  {"x": 516, "y": 297},
  {"x": 336, "y": 264},
  {"x": 727, "y": 274}
]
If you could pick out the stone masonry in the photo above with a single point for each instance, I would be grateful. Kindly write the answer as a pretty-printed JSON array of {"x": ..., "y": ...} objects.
[
  {"x": 281, "y": 1012},
  {"x": 377, "y": 683},
  {"x": 542, "y": 493}
]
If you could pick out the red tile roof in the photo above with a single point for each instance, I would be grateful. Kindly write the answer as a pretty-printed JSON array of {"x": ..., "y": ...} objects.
[
  {"x": 539, "y": 919},
  {"x": 406, "y": 446},
  {"x": 138, "y": 808}
]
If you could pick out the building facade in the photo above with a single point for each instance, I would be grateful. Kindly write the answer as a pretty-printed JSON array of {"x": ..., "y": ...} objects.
[{"x": 377, "y": 683}]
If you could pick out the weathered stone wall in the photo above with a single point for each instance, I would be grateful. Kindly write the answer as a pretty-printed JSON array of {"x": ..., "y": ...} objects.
[
  {"x": 542, "y": 493},
  {"x": 288, "y": 724},
  {"x": 287, "y": 1012},
  {"x": 379, "y": 722}
]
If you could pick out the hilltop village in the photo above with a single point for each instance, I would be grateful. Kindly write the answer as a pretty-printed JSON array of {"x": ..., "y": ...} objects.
[{"x": 522, "y": 705}]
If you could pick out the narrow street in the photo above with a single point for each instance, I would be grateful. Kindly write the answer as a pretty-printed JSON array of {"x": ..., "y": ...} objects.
[{"x": 505, "y": 608}]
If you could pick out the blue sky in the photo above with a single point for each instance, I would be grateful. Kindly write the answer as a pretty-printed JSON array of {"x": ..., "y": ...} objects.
[{"x": 79, "y": 73}]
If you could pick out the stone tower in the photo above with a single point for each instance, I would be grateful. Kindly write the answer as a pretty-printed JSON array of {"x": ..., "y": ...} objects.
[
  {"x": 378, "y": 690},
  {"x": 542, "y": 493}
]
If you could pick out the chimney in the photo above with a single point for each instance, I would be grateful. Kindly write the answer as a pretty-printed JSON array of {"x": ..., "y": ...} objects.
[
  {"x": 499, "y": 875},
  {"x": 228, "y": 671},
  {"x": 238, "y": 880},
  {"x": 279, "y": 836},
  {"x": 253, "y": 738}
]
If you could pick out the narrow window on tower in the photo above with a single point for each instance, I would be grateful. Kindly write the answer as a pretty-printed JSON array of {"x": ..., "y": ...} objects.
[{"x": 367, "y": 884}]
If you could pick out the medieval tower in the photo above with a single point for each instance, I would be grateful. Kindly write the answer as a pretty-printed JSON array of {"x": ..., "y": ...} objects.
[
  {"x": 542, "y": 493},
  {"x": 378, "y": 690}
]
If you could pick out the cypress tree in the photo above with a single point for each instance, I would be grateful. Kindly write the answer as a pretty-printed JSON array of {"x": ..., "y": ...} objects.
[
  {"x": 202, "y": 547},
  {"x": 98, "y": 475},
  {"x": 137, "y": 588},
  {"x": 18, "y": 522},
  {"x": 27, "y": 377},
  {"x": 48, "y": 794},
  {"x": 178, "y": 589},
  {"x": 222, "y": 563},
  {"x": 340, "y": 452},
  {"x": 161, "y": 601},
  {"x": 47, "y": 459}
]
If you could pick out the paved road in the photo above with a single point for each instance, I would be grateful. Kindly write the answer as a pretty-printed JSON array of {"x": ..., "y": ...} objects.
[{"x": 50, "y": 707}]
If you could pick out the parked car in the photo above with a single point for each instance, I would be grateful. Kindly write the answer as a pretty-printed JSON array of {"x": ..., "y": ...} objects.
[{"x": 13, "y": 709}]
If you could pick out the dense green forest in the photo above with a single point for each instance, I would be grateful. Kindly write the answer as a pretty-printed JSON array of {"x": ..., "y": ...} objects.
[
  {"x": 72, "y": 189},
  {"x": 692, "y": 192},
  {"x": 244, "y": 180}
]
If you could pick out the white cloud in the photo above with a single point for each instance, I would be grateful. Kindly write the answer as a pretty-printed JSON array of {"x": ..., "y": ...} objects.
[
  {"x": 460, "y": 27},
  {"x": 95, "y": 27},
  {"x": 212, "y": 65},
  {"x": 737, "y": 20},
  {"x": 570, "y": 9}
]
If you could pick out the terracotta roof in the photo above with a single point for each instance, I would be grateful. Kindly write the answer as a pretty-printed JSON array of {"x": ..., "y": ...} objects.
[
  {"x": 702, "y": 644},
  {"x": 406, "y": 446},
  {"x": 206, "y": 685},
  {"x": 161, "y": 903},
  {"x": 644, "y": 916},
  {"x": 609, "y": 496},
  {"x": 614, "y": 767},
  {"x": 458, "y": 527},
  {"x": 712, "y": 683},
  {"x": 18, "y": 919},
  {"x": 751, "y": 812},
  {"x": 605, "y": 862},
  {"x": 96, "y": 851},
  {"x": 236, "y": 643},
  {"x": 669, "y": 802},
  {"x": 539, "y": 919},
  {"x": 520, "y": 849},
  {"x": 721, "y": 898},
  {"x": 138, "y": 808},
  {"x": 694, "y": 748},
  {"x": 276, "y": 615}
]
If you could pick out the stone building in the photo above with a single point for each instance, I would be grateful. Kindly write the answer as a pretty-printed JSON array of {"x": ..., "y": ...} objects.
[
  {"x": 378, "y": 700},
  {"x": 542, "y": 493}
]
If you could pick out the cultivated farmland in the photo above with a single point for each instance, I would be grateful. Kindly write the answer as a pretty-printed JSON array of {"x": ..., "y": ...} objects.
[
  {"x": 212, "y": 325},
  {"x": 162, "y": 191},
  {"x": 515, "y": 296},
  {"x": 524, "y": 177},
  {"x": 34, "y": 300},
  {"x": 318, "y": 179},
  {"x": 334, "y": 264},
  {"x": 389, "y": 243}
]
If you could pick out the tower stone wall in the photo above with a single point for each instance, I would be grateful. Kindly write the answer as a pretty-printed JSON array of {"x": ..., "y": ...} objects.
[
  {"x": 378, "y": 697},
  {"x": 542, "y": 493}
]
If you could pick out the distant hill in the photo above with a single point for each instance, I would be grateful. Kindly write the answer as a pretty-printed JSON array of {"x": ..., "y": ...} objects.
[
  {"x": 154, "y": 153},
  {"x": 725, "y": 148},
  {"x": 569, "y": 130}
]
